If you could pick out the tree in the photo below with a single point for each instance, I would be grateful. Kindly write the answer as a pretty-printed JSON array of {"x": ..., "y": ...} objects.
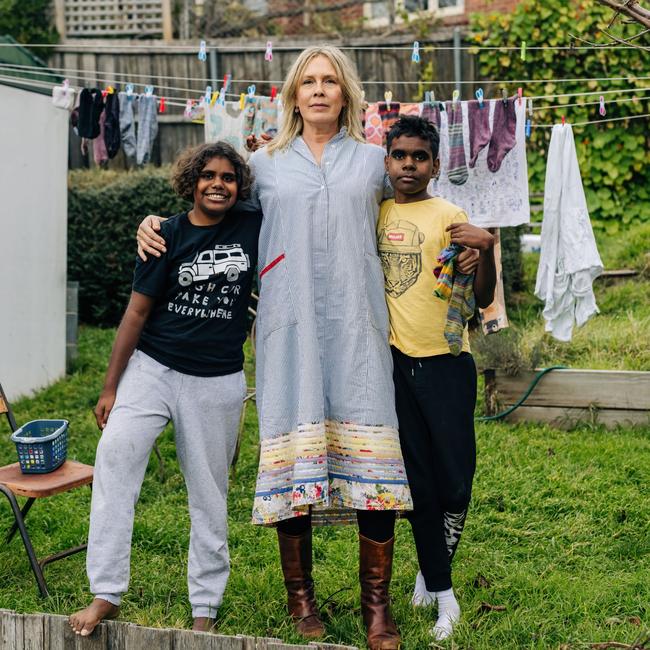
[{"x": 28, "y": 21}]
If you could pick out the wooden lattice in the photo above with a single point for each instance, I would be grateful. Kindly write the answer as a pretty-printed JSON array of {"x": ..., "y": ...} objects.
[{"x": 99, "y": 18}]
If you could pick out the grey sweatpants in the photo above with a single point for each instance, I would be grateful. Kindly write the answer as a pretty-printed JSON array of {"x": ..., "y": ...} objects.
[{"x": 205, "y": 412}]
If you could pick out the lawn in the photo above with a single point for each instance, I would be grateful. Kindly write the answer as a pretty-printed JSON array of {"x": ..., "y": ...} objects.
[{"x": 556, "y": 552}]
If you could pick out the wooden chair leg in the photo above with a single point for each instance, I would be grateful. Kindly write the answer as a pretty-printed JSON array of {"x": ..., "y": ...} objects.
[{"x": 18, "y": 516}]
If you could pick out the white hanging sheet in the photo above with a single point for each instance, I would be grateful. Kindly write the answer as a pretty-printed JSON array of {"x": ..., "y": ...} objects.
[{"x": 490, "y": 199}]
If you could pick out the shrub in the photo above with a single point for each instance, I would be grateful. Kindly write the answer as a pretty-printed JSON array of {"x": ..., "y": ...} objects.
[{"x": 104, "y": 210}]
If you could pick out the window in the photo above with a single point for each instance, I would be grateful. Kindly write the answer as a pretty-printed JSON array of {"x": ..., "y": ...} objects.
[{"x": 377, "y": 13}]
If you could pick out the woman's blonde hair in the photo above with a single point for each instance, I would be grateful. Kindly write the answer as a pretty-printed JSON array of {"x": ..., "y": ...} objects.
[{"x": 350, "y": 116}]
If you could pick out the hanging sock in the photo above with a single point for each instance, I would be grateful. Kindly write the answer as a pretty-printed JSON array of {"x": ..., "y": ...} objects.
[
  {"x": 373, "y": 128},
  {"x": 127, "y": 125},
  {"x": 503, "y": 138},
  {"x": 147, "y": 127},
  {"x": 100, "y": 154},
  {"x": 91, "y": 105},
  {"x": 431, "y": 112},
  {"x": 479, "y": 129},
  {"x": 388, "y": 117},
  {"x": 457, "y": 169},
  {"x": 112, "y": 124}
]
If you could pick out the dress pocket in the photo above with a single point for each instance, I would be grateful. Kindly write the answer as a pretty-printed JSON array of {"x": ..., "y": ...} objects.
[
  {"x": 275, "y": 308},
  {"x": 375, "y": 293}
]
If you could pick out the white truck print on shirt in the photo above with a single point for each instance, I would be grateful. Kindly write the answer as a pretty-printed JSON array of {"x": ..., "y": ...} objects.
[{"x": 228, "y": 259}]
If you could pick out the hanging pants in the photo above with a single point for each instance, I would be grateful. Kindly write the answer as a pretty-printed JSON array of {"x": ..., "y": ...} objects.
[
  {"x": 205, "y": 412},
  {"x": 435, "y": 400}
]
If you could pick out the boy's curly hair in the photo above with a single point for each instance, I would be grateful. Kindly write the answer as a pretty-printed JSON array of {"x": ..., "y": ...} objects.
[
  {"x": 188, "y": 166},
  {"x": 413, "y": 126}
]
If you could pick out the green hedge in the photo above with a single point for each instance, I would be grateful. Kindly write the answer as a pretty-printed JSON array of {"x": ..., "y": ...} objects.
[{"x": 104, "y": 210}]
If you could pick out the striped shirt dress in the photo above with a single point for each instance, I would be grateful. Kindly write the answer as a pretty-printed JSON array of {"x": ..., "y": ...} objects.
[{"x": 325, "y": 395}]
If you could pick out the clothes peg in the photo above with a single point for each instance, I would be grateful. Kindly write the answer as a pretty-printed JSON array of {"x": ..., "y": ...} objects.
[
  {"x": 214, "y": 97},
  {"x": 388, "y": 95},
  {"x": 268, "y": 56},
  {"x": 251, "y": 91},
  {"x": 129, "y": 90},
  {"x": 66, "y": 83},
  {"x": 415, "y": 57},
  {"x": 528, "y": 127},
  {"x": 274, "y": 92},
  {"x": 520, "y": 94},
  {"x": 110, "y": 90},
  {"x": 530, "y": 107},
  {"x": 601, "y": 109},
  {"x": 208, "y": 94},
  {"x": 104, "y": 93},
  {"x": 202, "y": 53},
  {"x": 563, "y": 121},
  {"x": 242, "y": 101},
  {"x": 222, "y": 96},
  {"x": 148, "y": 91},
  {"x": 454, "y": 99},
  {"x": 427, "y": 97},
  {"x": 523, "y": 50},
  {"x": 161, "y": 105},
  {"x": 188, "y": 108},
  {"x": 504, "y": 95},
  {"x": 479, "y": 96}
]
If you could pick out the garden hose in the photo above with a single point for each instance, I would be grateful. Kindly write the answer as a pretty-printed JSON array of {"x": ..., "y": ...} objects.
[{"x": 523, "y": 398}]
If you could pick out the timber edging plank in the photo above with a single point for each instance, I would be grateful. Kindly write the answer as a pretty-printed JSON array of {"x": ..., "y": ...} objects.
[
  {"x": 567, "y": 396},
  {"x": 52, "y": 632}
]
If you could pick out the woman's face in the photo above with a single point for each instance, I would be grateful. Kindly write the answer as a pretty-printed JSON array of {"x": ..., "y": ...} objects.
[{"x": 320, "y": 96}]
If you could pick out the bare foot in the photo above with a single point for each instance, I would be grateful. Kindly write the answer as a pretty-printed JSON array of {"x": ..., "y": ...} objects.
[
  {"x": 85, "y": 621},
  {"x": 204, "y": 624}
]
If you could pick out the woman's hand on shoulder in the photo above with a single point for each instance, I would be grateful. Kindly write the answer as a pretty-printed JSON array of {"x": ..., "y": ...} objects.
[
  {"x": 149, "y": 241},
  {"x": 253, "y": 144}
]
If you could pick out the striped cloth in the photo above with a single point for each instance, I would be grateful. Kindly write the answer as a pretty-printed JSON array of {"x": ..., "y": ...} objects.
[
  {"x": 458, "y": 289},
  {"x": 457, "y": 168}
]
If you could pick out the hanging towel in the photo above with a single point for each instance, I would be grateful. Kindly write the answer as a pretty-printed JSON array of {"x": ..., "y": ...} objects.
[
  {"x": 458, "y": 289},
  {"x": 569, "y": 260},
  {"x": 147, "y": 128},
  {"x": 112, "y": 124},
  {"x": 225, "y": 122},
  {"x": 127, "y": 125}
]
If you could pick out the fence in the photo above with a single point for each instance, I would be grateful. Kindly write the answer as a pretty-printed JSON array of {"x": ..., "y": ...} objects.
[
  {"x": 177, "y": 72},
  {"x": 51, "y": 632}
]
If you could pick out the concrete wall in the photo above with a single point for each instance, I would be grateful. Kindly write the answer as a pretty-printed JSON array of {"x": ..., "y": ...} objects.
[{"x": 33, "y": 222}]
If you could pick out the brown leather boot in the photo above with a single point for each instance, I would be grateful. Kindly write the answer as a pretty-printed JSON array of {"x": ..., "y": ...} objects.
[
  {"x": 375, "y": 569},
  {"x": 295, "y": 555}
]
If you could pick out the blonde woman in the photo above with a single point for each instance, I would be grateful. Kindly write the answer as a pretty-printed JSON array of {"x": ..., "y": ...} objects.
[{"x": 325, "y": 394}]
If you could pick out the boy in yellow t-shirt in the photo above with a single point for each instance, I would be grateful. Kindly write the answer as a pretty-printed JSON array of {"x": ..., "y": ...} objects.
[{"x": 435, "y": 391}]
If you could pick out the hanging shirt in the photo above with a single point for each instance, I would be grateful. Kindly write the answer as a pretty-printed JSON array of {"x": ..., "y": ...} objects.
[
  {"x": 569, "y": 260},
  {"x": 410, "y": 236}
]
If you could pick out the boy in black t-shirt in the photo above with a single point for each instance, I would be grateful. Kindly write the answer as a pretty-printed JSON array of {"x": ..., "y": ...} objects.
[{"x": 178, "y": 356}]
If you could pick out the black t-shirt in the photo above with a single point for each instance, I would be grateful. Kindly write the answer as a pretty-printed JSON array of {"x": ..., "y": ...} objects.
[{"x": 202, "y": 286}]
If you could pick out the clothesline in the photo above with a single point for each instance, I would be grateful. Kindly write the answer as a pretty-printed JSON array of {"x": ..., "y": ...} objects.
[
  {"x": 171, "y": 102},
  {"x": 92, "y": 75},
  {"x": 424, "y": 46}
]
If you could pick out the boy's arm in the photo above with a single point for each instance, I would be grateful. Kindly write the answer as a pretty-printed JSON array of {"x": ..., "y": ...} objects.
[
  {"x": 128, "y": 335},
  {"x": 485, "y": 279}
]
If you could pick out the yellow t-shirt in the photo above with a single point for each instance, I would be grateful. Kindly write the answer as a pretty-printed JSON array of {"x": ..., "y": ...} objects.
[{"x": 410, "y": 236}]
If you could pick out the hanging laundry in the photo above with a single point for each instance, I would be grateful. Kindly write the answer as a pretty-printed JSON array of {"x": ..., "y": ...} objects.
[
  {"x": 373, "y": 129},
  {"x": 388, "y": 117},
  {"x": 489, "y": 199},
  {"x": 225, "y": 122},
  {"x": 251, "y": 106},
  {"x": 494, "y": 317},
  {"x": 127, "y": 125},
  {"x": 503, "y": 137},
  {"x": 410, "y": 109},
  {"x": 569, "y": 260},
  {"x": 431, "y": 112},
  {"x": 147, "y": 127},
  {"x": 100, "y": 154},
  {"x": 479, "y": 129},
  {"x": 91, "y": 105},
  {"x": 457, "y": 167},
  {"x": 112, "y": 124},
  {"x": 63, "y": 97},
  {"x": 267, "y": 117}
]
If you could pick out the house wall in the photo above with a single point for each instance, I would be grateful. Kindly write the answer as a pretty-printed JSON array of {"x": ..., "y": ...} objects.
[{"x": 33, "y": 221}]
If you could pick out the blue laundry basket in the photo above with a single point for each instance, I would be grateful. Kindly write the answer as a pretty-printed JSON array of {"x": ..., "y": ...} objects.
[{"x": 42, "y": 445}]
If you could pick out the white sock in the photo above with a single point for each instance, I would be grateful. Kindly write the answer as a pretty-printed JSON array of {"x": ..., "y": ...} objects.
[
  {"x": 448, "y": 614},
  {"x": 422, "y": 597}
]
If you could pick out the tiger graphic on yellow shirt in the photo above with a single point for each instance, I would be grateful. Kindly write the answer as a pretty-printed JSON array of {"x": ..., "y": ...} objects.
[{"x": 401, "y": 256}]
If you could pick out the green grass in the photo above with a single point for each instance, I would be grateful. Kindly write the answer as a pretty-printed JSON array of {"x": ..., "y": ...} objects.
[{"x": 558, "y": 532}]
